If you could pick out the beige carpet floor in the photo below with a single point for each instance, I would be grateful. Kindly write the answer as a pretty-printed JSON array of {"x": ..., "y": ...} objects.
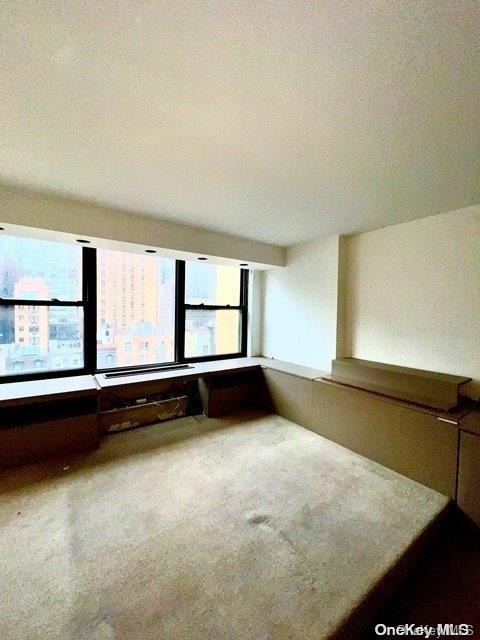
[{"x": 245, "y": 528}]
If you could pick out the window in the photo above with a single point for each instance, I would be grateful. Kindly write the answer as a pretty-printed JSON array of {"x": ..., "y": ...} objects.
[
  {"x": 39, "y": 270},
  {"x": 55, "y": 321},
  {"x": 212, "y": 285},
  {"x": 49, "y": 337},
  {"x": 212, "y": 332},
  {"x": 134, "y": 314},
  {"x": 215, "y": 311}
]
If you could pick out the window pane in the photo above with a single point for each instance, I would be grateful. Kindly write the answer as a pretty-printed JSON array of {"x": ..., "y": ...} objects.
[
  {"x": 35, "y": 338},
  {"x": 39, "y": 270},
  {"x": 211, "y": 333},
  {"x": 210, "y": 284},
  {"x": 135, "y": 309}
]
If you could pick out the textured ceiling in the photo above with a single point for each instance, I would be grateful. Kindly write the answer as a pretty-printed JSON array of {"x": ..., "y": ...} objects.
[{"x": 278, "y": 121}]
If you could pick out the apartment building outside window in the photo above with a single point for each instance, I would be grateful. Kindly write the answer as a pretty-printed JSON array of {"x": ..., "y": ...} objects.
[
  {"x": 148, "y": 311},
  {"x": 50, "y": 275}
]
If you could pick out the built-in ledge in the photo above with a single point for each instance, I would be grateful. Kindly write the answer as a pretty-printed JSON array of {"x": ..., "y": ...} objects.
[
  {"x": 428, "y": 388},
  {"x": 288, "y": 367}
]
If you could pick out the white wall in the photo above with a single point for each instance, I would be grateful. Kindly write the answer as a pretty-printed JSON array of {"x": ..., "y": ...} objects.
[
  {"x": 50, "y": 213},
  {"x": 413, "y": 294},
  {"x": 300, "y": 305},
  {"x": 255, "y": 310},
  {"x": 408, "y": 294}
]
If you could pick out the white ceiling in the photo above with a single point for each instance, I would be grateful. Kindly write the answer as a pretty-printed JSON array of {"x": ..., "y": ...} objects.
[{"x": 278, "y": 121}]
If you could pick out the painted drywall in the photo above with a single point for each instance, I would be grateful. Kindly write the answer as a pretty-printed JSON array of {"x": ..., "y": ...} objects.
[
  {"x": 34, "y": 209},
  {"x": 282, "y": 121},
  {"x": 413, "y": 294},
  {"x": 255, "y": 310},
  {"x": 300, "y": 305}
]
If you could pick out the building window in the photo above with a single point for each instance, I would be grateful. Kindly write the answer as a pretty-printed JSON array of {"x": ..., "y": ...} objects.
[
  {"x": 55, "y": 321},
  {"x": 144, "y": 318},
  {"x": 215, "y": 310},
  {"x": 46, "y": 278}
]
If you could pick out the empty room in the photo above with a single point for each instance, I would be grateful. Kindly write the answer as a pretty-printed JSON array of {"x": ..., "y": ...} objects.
[{"x": 239, "y": 320}]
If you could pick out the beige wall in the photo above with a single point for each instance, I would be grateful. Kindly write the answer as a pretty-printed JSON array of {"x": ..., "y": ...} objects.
[
  {"x": 407, "y": 294},
  {"x": 255, "y": 310},
  {"x": 27, "y": 208},
  {"x": 300, "y": 305},
  {"x": 413, "y": 294}
]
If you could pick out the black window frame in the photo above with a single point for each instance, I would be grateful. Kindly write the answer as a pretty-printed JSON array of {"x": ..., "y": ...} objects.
[
  {"x": 89, "y": 305},
  {"x": 182, "y": 307}
]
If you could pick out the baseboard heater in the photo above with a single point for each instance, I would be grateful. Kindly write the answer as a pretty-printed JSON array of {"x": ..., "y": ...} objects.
[
  {"x": 136, "y": 372},
  {"x": 143, "y": 413}
]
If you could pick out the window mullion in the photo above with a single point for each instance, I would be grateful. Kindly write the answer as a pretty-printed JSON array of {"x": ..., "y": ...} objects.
[
  {"x": 214, "y": 307},
  {"x": 89, "y": 294},
  {"x": 244, "y": 302},
  {"x": 28, "y": 302},
  {"x": 180, "y": 308}
]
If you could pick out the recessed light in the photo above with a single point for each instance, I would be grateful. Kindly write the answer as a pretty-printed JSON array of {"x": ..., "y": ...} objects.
[
  {"x": 244, "y": 264},
  {"x": 150, "y": 251},
  {"x": 201, "y": 258},
  {"x": 83, "y": 241}
]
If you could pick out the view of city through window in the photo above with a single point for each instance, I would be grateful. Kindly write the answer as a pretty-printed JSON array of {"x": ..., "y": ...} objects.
[
  {"x": 135, "y": 308},
  {"x": 34, "y": 337},
  {"x": 211, "y": 332}
]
